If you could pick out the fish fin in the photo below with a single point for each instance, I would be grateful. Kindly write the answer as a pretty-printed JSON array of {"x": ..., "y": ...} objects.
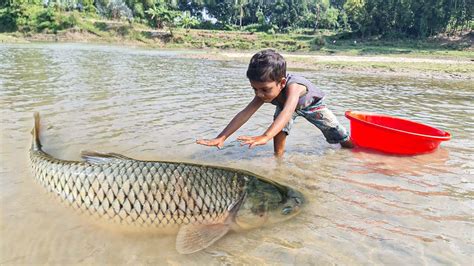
[
  {"x": 102, "y": 158},
  {"x": 36, "y": 143},
  {"x": 193, "y": 238}
]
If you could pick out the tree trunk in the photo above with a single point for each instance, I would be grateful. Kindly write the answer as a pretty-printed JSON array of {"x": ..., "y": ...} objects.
[
  {"x": 171, "y": 30},
  {"x": 318, "y": 13},
  {"x": 241, "y": 14}
]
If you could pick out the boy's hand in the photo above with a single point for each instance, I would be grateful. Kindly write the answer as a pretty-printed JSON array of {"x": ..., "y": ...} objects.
[
  {"x": 218, "y": 142},
  {"x": 253, "y": 141}
]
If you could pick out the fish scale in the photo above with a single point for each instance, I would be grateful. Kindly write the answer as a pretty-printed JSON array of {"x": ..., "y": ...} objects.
[{"x": 151, "y": 194}]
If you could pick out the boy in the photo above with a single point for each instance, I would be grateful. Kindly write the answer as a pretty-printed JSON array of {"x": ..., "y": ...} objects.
[{"x": 293, "y": 96}]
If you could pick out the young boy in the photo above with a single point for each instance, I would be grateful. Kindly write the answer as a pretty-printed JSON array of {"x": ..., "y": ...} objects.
[{"x": 292, "y": 95}]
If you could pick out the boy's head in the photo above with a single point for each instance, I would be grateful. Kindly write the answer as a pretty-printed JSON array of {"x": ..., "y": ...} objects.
[
  {"x": 266, "y": 65},
  {"x": 267, "y": 72}
]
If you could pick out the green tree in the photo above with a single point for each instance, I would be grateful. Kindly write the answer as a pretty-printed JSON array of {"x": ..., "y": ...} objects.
[
  {"x": 223, "y": 11},
  {"x": 330, "y": 18},
  {"x": 187, "y": 21},
  {"x": 194, "y": 7},
  {"x": 240, "y": 6},
  {"x": 356, "y": 13},
  {"x": 163, "y": 16}
]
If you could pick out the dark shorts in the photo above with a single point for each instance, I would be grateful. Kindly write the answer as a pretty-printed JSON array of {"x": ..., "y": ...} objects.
[{"x": 320, "y": 116}]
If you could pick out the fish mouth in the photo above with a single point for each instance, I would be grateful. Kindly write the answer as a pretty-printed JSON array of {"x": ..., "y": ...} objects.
[
  {"x": 297, "y": 197},
  {"x": 293, "y": 203},
  {"x": 291, "y": 194}
]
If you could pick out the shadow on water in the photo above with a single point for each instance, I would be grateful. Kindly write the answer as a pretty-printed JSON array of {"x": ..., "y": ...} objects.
[{"x": 399, "y": 165}]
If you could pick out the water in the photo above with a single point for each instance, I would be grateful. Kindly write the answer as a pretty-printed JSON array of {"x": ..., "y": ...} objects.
[{"x": 363, "y": 208}]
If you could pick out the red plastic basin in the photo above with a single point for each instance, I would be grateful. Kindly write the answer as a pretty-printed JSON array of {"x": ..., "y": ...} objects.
[{"x": 393, "y": 135}]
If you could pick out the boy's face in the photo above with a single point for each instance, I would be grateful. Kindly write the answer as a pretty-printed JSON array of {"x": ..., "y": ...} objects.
[{"x": 267, "y": 91}]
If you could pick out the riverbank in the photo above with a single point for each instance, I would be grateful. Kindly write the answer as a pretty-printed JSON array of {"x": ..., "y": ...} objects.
[
  {"x": 448, "y": 58},
  {"x": 415, "y": 67}
]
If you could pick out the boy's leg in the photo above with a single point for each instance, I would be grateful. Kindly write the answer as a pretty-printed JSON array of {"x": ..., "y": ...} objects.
[
  {"x": 347, "y": 144},
  {"x": 279, "y": 143},
  {"x": 280, "y": 139},
  {"x": 326, "y": 121}
]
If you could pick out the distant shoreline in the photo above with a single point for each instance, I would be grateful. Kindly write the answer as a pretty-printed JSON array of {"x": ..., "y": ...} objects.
[{"x": 414, "y": 65}]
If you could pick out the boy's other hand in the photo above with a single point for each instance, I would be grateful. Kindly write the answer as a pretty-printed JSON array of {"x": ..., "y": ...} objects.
[
  {"x": 253, "y": 141},
  {"x": 219, "y": 143}
]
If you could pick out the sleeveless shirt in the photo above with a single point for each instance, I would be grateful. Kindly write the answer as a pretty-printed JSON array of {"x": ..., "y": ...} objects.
[{"x": 312, "y": 96}]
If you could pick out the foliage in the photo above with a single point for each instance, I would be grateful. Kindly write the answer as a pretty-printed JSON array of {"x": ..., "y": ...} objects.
[
  {"x": 8, "y": 18},
  {"x": 35, "y": 18},
  {"x": 114, "y": 9},
  {"x": 162, "y": 15},
  {"x": 365, "y": 18},
  {"x": 187, "y": 21},
  {"x": 406, "y": 18},
  {"x": 50, "y": 20},
  {"x": 317, "y": 42}
]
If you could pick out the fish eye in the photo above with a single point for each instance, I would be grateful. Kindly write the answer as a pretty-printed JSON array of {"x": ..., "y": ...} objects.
[
  {"x": 298, "y": 200},
  {"x": 287, "y": 210}
]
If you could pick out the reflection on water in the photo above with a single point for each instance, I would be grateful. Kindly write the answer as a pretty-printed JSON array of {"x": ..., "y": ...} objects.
[{"x": 364, "y": 207}]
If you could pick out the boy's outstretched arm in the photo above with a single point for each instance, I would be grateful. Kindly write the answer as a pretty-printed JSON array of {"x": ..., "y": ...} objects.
[
  {"x": 238, "y": 120},
  {"x": 293, "y": 94}
]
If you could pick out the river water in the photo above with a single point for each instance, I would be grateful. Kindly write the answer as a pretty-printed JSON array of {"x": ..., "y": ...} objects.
[{"x": 363, "y": 207}]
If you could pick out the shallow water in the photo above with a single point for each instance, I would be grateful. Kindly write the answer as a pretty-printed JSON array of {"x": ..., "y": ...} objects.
[{"x": 363, "y": 207}]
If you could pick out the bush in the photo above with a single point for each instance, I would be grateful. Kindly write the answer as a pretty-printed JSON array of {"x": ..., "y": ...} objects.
[
  {"x": 230, "y": 27},
  {"x": 139, "y": 10},
  {"x": 207, "y": 25},
  {"x": 258, "y": 28},
  {"x": 35, "y": 18},
  {"x": 115, "y": 9},
  {"x": 27, "y": 14},
  {"x": 48, "y": 19},
  {"x": 8, "y": 17},
  {"x": 317, "y": 43},
  {"x": 45, "y": 20}
]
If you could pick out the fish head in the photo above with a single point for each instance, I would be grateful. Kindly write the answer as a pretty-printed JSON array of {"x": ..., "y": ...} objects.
[{"x": 267, "y": 202}]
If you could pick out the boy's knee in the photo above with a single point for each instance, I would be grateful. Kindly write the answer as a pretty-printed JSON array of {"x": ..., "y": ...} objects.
[{"x": 335, "y": 135}]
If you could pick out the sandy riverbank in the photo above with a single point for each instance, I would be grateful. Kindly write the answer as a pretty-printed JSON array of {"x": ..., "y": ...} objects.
[{"x": 436, "y": 68}]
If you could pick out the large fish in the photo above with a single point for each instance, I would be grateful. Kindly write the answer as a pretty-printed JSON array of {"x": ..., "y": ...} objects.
[{"x": 202, "y": 203}]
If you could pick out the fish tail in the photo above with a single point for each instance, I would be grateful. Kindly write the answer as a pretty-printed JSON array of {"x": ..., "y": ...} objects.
[{"x": 36, "y": 144}]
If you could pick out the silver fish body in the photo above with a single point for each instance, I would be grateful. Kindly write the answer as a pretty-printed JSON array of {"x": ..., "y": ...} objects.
[
  {"x": 141, "y": 193},
  {"x": 202, "y": 202}
]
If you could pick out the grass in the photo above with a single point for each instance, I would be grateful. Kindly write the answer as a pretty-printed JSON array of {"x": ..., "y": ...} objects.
[
  {"x": 402, "y": 66},
  {"x": 323, "y": 42},
  {"x": 11, "y": 38},
  {"x": 405, "y": 48},
  {"x": 319, "y": 42}
]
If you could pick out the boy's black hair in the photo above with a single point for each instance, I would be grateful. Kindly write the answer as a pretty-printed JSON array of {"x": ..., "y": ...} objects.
[{"x": 266, "y": 65}]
